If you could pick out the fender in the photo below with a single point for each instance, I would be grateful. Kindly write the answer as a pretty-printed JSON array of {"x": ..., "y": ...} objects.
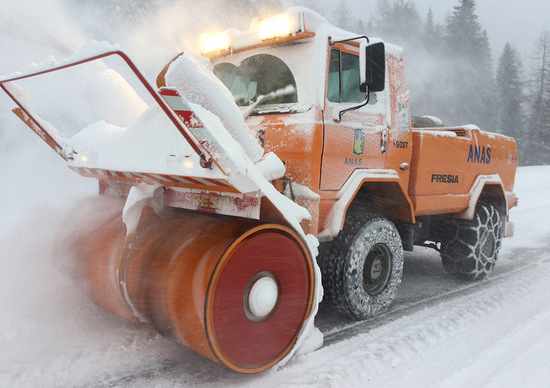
[
  {"x": 377, "y": 183},
  {"x": 481, "y": 183},
  {"x": 491, "y": 187}
]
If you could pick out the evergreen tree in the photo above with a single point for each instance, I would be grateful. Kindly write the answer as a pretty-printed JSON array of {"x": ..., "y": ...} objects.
[
  {"x": 509, "y": 93},
  {"x": 398, "y": 22},
  {"x": 486, "y": 85},
  {"x": 429, "y": 28},
  {"x": 470, "y": 76},
  {"x": 464, "y": 33},
  {"x": 536, "y": 147},
  {"x": 432, "y": 34},
  {"x": 406, "y": 18}
]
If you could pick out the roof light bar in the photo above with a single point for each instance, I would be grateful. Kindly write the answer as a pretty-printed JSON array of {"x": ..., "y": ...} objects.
[
  {"x": 219, "y": 42},
  {"x": 276, "y": 27},
  {"x": 282, "y": 27}
]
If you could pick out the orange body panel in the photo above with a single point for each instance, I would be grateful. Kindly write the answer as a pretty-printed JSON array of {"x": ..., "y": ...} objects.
[
  {"x": 297, "y": 142},
  {"x": 432, "y": 166},
  {"x": 447, "y": 162}
]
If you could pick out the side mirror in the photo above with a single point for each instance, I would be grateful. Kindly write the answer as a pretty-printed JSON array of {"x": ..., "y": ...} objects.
[{"x": 373, "y": 67}]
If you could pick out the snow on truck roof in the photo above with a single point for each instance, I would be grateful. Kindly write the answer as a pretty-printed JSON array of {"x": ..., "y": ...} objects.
[{"x": 295, "y": 24}]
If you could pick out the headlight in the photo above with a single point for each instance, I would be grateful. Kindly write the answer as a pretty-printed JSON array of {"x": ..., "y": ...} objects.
[{"x": 188, "y": 164}]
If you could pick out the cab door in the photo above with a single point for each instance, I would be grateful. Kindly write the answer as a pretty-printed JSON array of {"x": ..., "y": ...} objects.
[{"x": 359, "y": 139}]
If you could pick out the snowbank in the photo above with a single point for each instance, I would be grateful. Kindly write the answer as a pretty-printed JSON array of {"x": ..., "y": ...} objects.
[{"x": 531, "y": 217}]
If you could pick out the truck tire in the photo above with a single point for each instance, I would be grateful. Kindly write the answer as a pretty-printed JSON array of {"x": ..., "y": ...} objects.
[
  {"x": 472, "y": 253},
  {"x": 363, "y": 266}
]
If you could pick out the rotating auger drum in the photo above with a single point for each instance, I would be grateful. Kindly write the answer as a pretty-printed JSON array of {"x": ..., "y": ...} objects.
[{"x": 233, "y": 290}]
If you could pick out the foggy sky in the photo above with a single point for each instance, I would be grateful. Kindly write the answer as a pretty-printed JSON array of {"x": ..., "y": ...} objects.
[{"x": 519, "y": 22}]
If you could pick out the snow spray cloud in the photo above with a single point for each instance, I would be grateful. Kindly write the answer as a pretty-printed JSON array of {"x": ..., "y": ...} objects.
[
  {"x": 46, "y": 313},
  {"x": 153, "y": 32},
  {"x": 30, "y": 32},
  {"x": 33, "y": 29}
]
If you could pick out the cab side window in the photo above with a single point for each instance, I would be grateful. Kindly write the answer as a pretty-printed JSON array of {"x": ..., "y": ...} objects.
[{"x": 343, "y": 78}]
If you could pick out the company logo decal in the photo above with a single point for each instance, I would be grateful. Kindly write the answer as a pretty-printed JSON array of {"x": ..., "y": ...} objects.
[
  {"x": 479, "y": 154},
  {"x": 354, "y": 161},
  {"x": 359, "y": 142},
  {"x": 445, "y": 178}
]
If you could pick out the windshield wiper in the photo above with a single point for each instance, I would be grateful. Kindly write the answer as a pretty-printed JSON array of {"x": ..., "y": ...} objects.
[
  {"x": 276, "y": 109},
  {"x": 287, "y": 90}
]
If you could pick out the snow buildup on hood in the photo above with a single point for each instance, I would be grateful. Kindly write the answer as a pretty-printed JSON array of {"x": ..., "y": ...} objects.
[
  {"x": 494, "y": 135},
  {"x": 199, "y": 85},
  {"x": 123, "y": 106},
  {"x": 316, "y": 23},
  {"x": 436, "y": 133},
  {"x": 145, "y": 146},
  {"x": 140, "y": 196},
  {"x": 150, "y": 143},
  {"x": 271, "y": 167},
  {"x": 233, "y": 154},
  {"x": 436, "y": 120},
  {"x": 296, "y": 190}
]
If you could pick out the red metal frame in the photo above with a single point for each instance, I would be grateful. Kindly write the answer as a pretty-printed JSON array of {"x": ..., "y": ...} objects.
[{"x": 23, "y": 112}]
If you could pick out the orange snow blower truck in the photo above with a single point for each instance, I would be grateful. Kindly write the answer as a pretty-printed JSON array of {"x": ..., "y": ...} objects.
[{"x": 293, "y": 156}]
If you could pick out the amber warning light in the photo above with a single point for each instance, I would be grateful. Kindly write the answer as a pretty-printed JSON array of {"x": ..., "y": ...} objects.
[
  {"x": 219, "y": 42},
  {"x": 276, "y": 27},
  {"x": 279, "y": 26}
]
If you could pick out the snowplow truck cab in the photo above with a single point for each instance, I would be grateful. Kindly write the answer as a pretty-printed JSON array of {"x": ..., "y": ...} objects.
[{"x": 293, "y": 158}]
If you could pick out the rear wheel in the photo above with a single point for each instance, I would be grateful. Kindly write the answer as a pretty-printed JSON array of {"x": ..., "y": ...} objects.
[
  {"x": 472, "y": 253},
  {"x": 363, "y": 266}
]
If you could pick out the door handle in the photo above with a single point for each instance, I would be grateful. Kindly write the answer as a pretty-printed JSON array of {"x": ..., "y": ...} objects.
[{"x": 384, "y": 141}]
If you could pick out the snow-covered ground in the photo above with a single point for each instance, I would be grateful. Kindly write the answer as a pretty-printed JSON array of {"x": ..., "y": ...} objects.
[{"x": 438, "y": 332}]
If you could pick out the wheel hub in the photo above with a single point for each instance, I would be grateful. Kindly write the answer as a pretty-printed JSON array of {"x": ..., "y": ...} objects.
[
  {"x": 377, "y": 269},
  {"x": 261, "y": 296}
]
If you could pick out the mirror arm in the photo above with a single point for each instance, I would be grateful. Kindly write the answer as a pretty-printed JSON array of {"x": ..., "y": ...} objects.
[
  {"x": 333, "y": 42},
  {"x": 341, "y": 113}
]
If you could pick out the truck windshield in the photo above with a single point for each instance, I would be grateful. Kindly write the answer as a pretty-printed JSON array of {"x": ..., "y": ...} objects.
[{"x": 263, "y": 81}]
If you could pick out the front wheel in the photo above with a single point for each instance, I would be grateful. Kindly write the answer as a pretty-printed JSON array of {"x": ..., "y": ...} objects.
[
  {"x": 472, "y": 253},
  {"x": 362, "y": 268}
]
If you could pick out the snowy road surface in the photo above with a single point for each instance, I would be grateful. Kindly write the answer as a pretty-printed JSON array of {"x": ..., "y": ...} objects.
[{"x": 439, "y": 331}]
